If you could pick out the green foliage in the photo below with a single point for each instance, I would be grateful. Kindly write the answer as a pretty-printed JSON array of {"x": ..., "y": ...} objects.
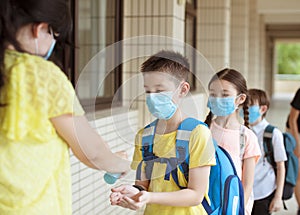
[{"x": 288, "y": 58}]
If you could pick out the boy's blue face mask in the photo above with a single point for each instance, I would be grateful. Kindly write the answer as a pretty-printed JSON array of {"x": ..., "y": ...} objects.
[
  {"x": 254, "y": 113},
  {"x": 161, "y": 105},
  {"x": 220, "y": 106}
]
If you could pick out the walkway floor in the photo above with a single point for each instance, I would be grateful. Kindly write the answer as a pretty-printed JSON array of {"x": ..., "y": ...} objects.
[{"x": 277, "y": 115}]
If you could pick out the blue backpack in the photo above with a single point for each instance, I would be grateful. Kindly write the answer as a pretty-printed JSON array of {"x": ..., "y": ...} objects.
[
  {"x": 291, "y": 164},
  {"x": 225, "y": 188}
]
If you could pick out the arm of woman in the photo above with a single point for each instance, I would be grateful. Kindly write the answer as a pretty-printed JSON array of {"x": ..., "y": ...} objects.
[
  {"x": 192, "y": 196},
  {"x": 87, "y": 145},
  {"x": 294, "y": 114},
  {"x": 248, "y": 177}
]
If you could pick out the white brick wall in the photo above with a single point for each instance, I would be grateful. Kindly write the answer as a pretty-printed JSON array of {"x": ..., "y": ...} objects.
[{"x": 90, "y": 192}]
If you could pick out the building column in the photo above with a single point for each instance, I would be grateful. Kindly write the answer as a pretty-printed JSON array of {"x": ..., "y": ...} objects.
[
  {"x": 239, "y": 46},
  {"x": 213, "y": 21},
  {"x": 254, "y": 50}
]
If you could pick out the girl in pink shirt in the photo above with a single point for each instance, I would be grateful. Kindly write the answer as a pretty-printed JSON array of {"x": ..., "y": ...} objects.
[{"x": 228, "y": 92}]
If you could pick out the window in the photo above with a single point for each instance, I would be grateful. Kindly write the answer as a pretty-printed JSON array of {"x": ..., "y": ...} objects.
[
  {"x": 97, "y": 25},
  {"x": 190, "y": 37}
]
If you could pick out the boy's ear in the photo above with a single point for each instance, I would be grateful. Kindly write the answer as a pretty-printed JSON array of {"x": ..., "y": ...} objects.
[
  {"x": 263, "y": 109},
  {"x": 184, "y": 89}
]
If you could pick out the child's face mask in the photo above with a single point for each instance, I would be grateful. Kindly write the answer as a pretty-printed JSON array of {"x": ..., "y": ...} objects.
[
  {"x": 220, "y": 106},
  {"x": 161, "y": 105},
  {"x": 254, "y": 113}
]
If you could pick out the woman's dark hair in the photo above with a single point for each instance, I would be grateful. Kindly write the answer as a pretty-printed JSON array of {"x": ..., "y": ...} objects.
[
  {"x": 15, "y": 14},
  {"x": 239, "y": 83}
]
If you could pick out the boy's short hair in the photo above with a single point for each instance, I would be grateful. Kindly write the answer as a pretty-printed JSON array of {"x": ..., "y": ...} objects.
[
  {"x": 169, "y": 62},
  {"x": 260, "y": 96}
]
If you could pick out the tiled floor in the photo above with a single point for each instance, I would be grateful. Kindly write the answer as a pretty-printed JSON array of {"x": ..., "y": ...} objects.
[{"x": 277, "y": 115}]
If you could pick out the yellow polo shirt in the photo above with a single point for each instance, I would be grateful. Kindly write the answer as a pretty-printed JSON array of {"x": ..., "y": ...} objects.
[{"x": 201, "y": 154}]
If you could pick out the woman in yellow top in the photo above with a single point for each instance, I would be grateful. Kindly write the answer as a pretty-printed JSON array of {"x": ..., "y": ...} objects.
[
  {"x": 40, "y": 116},
  {"x": 165, "y": 82}
]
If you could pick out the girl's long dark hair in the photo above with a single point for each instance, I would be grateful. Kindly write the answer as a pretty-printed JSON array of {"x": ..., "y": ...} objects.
[
  {"x": 15, "y": 14},
  {"x": 240, "y": 84}
]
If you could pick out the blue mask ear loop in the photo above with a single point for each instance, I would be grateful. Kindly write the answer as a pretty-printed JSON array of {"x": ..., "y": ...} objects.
[
  {"x": 46, "y": 57},
  {"x": 50, "y": 50},
  {"x": 174, "y": 92},
  {"x": 36, "y": 46},
  {"x": 237, "y": 107}
]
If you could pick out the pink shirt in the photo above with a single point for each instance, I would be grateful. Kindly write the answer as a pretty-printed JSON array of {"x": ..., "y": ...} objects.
[{"x": 230, "y": 140}]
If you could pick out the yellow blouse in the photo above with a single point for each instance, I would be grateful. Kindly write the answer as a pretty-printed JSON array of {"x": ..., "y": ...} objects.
[{"x": 34, "y": 160}]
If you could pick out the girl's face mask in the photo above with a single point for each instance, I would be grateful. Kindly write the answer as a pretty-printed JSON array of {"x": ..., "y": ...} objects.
[
  {"x": 220, "y": 106},
  {"x": 161, "y": 105}
]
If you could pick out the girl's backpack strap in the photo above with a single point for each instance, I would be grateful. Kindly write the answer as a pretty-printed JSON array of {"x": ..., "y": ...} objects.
[{"x": 242, "y": 142}]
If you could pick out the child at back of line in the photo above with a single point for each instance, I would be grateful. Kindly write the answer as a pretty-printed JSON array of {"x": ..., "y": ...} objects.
[
  {"x": 165, "y": 82},
  {"x": 268, "y": 186},
  {"x": 227, "y": 92}
]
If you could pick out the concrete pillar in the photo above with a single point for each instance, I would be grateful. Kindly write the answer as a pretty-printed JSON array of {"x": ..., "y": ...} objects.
[
  {"x": 239, "y": 54},
  {"x": 254, "y": 48},
  {"x": 262, "y": 53},
  {"x": 213, "y": 36}
]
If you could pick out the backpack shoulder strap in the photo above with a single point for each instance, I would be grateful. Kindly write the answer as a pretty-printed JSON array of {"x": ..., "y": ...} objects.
[
  {"x": 147, "y": 146},
  {"x": 268, "y": 146},
  {"x": 148, "y": 137},
  {"x": 242, "y": 141},
  {"x": 182, "y": 146}
]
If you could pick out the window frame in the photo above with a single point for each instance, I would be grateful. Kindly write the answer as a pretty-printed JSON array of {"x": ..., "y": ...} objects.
[
  {"x": 71, "y": 57},
  {"x": 191, "y": 11}
]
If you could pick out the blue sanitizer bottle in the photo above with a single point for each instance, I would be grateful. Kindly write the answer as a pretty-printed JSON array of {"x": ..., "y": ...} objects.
[{"x": 111, "y": 178}]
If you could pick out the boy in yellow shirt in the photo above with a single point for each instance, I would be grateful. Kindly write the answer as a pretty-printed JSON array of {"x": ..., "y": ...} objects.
[{"x": 165, "y": 82}]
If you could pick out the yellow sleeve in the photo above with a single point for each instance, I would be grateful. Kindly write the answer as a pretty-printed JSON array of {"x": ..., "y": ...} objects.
[
  {"x": 202, "y": 151},
  {"x": 137, "y": 156},
  {"x": 62, "y": 98}
]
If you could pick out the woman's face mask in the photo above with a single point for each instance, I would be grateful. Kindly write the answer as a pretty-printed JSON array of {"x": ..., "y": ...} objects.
[
  {"x": 51, "y": 48},
  {"x": 221, "y": 106},
  {"x": 161, "y": 105},
  {"x": 46, "y": 57}
]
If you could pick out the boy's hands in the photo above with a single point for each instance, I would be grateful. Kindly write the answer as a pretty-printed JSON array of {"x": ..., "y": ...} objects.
[
  {"x": 137, "y": 201},
  {"x": 129, "y": 197},
  {"x": 118, "y": 193}
]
